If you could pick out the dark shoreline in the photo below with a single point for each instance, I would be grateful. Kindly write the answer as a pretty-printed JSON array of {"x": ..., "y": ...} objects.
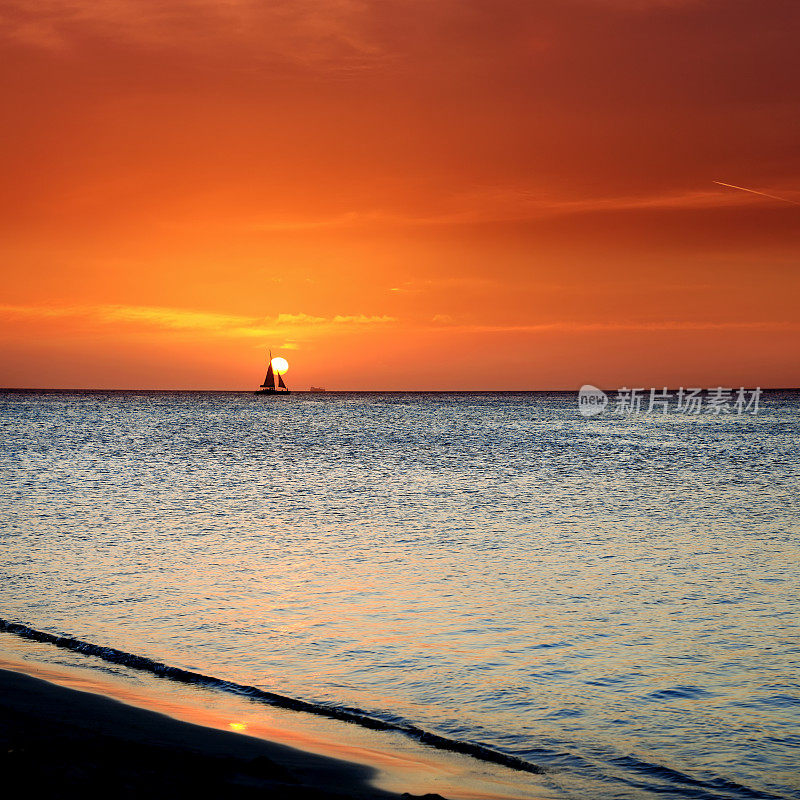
[{"x": 67, "y": 742}]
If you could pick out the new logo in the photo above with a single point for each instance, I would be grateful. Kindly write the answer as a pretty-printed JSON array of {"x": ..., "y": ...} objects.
[{"x": 591, "y": 400}]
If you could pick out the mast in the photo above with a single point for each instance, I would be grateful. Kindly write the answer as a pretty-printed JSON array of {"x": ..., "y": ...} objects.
[{"x": 269, "y": 381}]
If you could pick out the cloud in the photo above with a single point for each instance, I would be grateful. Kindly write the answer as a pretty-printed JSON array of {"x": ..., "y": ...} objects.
[
  {"x": 568, "y": 326},
  {"x": 515, "y": 204},
  {"x": 293, "y": 327},
  {"x": 160, "y": 317},
  {"x": 361, "y": 319},
  {"x": 199, "y": 322},
  {"x": 293, "y": 319},
  {"x": 329, "y": 33}
]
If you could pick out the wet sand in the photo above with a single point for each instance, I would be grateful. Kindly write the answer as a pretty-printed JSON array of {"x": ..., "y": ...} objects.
[{"x": 67, "y": 743}]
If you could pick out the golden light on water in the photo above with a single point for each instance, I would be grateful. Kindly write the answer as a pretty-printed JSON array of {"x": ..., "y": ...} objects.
[
  {"x": 237, "y": 726},
  {"x": 280, "y": 364}
]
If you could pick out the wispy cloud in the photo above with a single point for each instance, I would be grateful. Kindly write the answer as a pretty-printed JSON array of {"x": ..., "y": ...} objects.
[
  {"x": 510, "y": 204},
  {"x": 567, "y": 326},
  {"x": 199, "y": 322},
  {"x": 361, "y": 319},
  {"x": 333, "y": 34}
]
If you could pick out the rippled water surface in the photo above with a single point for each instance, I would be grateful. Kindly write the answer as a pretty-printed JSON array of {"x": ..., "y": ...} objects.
[{"x": 612, "y": 598}]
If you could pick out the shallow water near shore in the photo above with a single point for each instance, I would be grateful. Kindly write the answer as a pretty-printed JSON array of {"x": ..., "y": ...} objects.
[
  {"x": 613, "y": 599},
  {"x": 398, "y": 764}
]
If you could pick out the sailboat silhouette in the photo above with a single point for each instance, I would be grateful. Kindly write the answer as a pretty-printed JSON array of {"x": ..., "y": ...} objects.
[{"x": 268, "y": 387}]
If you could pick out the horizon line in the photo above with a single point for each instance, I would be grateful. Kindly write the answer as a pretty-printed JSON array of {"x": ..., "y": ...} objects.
[{"x": 390, "y": 391}]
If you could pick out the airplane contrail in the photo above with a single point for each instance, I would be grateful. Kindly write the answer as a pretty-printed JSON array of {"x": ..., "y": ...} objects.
[{"x": 753, "y": 191}]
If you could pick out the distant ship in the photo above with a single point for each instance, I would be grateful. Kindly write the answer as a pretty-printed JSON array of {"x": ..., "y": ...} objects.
[
  {"x": 268, "y": 387},
  {"x": 317, "y": 389}
]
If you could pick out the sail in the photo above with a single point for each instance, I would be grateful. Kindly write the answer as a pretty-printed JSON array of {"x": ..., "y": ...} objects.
[
  {"x": 269, "y": 381},
  {"x": 280, "y": 381}
]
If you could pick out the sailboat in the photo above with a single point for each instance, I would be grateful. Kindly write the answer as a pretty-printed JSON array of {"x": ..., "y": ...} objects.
[{"x": 268, "y": 387}]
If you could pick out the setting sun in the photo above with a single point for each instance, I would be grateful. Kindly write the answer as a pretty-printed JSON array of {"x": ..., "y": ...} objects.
[{"x": 280, "y": 364}]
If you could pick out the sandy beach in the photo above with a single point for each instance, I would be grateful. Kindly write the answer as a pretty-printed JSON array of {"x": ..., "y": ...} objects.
[{"x": 68, "y": 742}]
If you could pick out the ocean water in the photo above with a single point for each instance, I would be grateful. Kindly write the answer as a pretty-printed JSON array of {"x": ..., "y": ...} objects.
[{"x": 613, "y": 599}]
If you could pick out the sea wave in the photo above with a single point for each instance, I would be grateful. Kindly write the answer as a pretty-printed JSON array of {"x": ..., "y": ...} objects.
[
  {"x": 657, "y": 778},
  {"x": 355, "y": 716}
]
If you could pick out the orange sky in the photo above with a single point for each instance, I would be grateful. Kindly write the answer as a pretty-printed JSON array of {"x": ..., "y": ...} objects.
[{"x": 399, "y": 194}]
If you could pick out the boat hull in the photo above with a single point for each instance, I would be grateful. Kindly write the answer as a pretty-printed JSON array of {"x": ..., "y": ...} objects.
[{"x": 271, "y": 391}]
